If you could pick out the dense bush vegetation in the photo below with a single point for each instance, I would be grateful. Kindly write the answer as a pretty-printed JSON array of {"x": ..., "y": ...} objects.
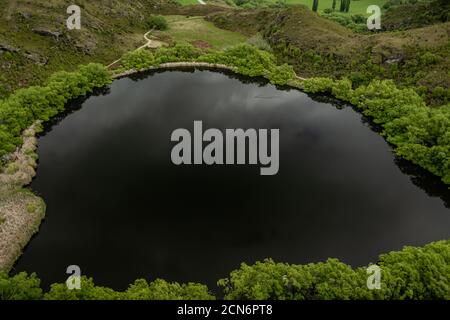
[
  {"x": 355, "y": 22},
  {"x": 25, "y": 106},
  {"x": 420, "y": 134},
  {"x": 24, "y": 287},
  {"x": 157, "y": 22},
  {"x": 247, "y": 59},
  {"x": 413, "y": 273}
]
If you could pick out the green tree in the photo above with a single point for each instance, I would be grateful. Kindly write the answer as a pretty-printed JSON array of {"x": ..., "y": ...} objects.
[
  {"x": 20, "y": 287},
  {"x": 315, "y": 5}
]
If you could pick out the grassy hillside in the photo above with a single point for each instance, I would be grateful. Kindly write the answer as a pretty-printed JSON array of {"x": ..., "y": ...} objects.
[
  {"x": 199, "y": 32},
  {"x": 35, "y": 42},
  {"x": 356, "y": 6},
  {"x": 320, "y": 47},
  {"x": 414, "y": 15}
]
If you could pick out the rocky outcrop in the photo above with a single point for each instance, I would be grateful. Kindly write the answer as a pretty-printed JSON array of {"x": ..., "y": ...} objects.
[
  {"x": 47, "y": 33},
  {"x": 8, "y": 48},
  {"x": 36, "y": 58}
]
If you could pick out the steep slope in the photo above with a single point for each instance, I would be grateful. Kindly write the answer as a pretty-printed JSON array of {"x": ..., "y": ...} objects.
[
  {"x": 320, "y": 47},
  {"x": 35, "y": 42}
]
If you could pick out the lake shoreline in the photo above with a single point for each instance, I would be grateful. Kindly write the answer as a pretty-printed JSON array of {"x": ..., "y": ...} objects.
[{"x": 21, "y": 211}]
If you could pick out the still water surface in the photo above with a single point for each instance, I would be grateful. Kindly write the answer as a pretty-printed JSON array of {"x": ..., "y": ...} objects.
[{"x": 119, "y": 208}]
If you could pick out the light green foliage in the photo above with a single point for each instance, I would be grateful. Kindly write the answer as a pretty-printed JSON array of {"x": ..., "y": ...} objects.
[
  {"x": 179, "y": 52},
  {"x": 251, "y": 61},
  {"x": 25, "y": 106},
  {"x": 413, "y": 273},
  {"x": 281, "y": 75},
  {"x": 316, "y": 85},
  {"x": 421, "y": 273},
  {"x": 138, "y": 59},
  {"x": 280, "y": 281},
  {"x": 247, "y": 59},
  {"x": 20, "y": 287},
  {"x": 163, "y": 290},
  {"x": 88, "y": 291},
  {"x": 139, "y": 290}
]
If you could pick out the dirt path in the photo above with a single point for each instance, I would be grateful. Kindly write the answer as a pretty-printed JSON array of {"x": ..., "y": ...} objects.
[{"x": 152, "y": 43}]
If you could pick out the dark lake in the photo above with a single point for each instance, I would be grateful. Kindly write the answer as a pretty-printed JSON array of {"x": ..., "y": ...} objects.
[{"x": 119, "y": 208}]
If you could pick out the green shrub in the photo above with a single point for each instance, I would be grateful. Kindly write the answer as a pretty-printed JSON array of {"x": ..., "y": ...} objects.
[
  {"x": 20, "y": 287},
  {"x": 421, "y": 273},
  {"x": 429, "y": 58},
  {"x": 139, "y": 290},
  {"x": 163, "y": 290},
  {"x": 87, "y": 291},
  {"x": 157, "y": 22},
  {"x": 139, "y": 59},
  {"x": 413, "y": 273},
  {"x": 25, "y": 106},
  {"x": 179, "y": 52}
]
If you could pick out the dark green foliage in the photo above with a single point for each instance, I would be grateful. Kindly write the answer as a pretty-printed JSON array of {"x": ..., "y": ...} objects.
[
  {"x": 342, "y": 6},
  {"x": 157, "y": 22},
  {"x": 315, "y": 5},
  {"x": 25, "y": 106}
]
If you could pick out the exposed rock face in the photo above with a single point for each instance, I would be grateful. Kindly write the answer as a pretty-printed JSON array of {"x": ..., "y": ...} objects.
[
  {"x": 393, "y": 59},
  {"x": 25, "y": 15},
  {"x": 8, "y": 48},
  {"x": 47, "y": 33},
  {"x": 37, "y": 59},
  {"x": 86, "y": 47}
]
